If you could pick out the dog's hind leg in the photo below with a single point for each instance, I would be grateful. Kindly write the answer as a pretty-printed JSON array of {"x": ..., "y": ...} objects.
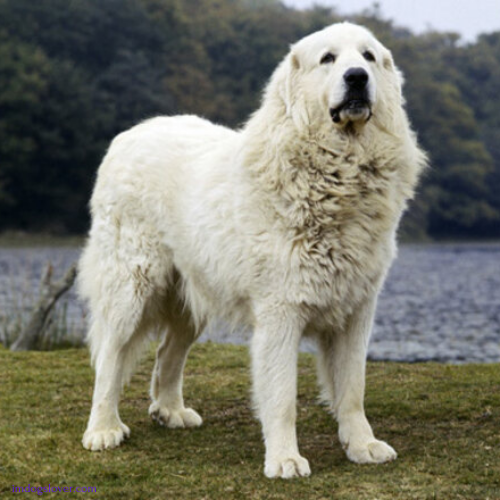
[
  {"x": 105, "y": 428},
  {"x": 167, "y": 407},
  {"x": 123, "y": 295}
]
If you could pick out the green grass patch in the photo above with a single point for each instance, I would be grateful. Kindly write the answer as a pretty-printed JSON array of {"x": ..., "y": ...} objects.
[
  {"x": 20, "y": 239},
  {"x": 444, "y": 421}
]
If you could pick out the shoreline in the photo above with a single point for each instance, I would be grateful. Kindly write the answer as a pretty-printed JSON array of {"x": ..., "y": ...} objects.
[{"x": 440, "y": 302}]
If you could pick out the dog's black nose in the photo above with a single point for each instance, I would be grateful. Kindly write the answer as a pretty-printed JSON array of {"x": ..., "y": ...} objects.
[{"x": 356, "y": 78}]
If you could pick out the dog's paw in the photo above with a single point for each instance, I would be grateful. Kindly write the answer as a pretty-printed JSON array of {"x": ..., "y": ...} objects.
[
  {"x": 101, "y": 439},
  {"x": 370, "y": 452},
  {"x": 287, "y": 467},
  {"x": 183, "y": 417}
]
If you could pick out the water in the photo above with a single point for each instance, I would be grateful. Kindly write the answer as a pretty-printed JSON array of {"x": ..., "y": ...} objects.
[
  {"x": 440, "y": 302},
  {"x": 21, "y": 271}
]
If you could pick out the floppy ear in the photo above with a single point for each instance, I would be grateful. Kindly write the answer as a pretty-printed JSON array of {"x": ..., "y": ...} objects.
[
  {"x": 294, "y": 60},
  {"x": 397, "y": 77},
  {"x": 387, "y": 60},
  {"x": 290, "y": 89},
  {"x": 287, "y": 79},
  {"x": 284, "y": 92},
  {"x": 388, "y": 63}
]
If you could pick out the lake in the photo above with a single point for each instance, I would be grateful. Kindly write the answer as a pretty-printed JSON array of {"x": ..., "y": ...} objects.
[{"x": 441, "y": 302}]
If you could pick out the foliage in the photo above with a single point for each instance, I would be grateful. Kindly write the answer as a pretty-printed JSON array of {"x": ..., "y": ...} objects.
[
  {"x": 74, "y": 74},
  {"x": 455, "y": 194},
  {"x": 443, "y": 421}
]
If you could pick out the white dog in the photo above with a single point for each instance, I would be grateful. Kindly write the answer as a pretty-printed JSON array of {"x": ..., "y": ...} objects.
[{"x": 287, "y": 225}]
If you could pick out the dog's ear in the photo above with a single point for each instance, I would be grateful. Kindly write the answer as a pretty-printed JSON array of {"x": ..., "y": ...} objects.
[
  {"x": 285, "y": 88},
  {"x": 387, "y": 60},
  {"x": 388, "y": 64},
  {"x": 294, "y": 60},
  {"x": 287, "y": 80},
  {"x": 292, "y": 94}
]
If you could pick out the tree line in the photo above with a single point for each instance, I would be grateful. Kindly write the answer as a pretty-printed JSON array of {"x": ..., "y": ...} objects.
[{"x": 74, "y": 73}]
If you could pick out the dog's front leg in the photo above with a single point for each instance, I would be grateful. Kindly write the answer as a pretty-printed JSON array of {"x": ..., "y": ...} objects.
[
  {"x": 275, "y": 347},
  {"x": 341, "y": 371}
]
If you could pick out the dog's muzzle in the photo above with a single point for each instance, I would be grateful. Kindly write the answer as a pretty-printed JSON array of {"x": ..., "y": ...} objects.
[{"x": 356, "y": 104}]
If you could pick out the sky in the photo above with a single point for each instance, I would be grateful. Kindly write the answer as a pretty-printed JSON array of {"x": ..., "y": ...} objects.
[{"x": 466, "y": 17}]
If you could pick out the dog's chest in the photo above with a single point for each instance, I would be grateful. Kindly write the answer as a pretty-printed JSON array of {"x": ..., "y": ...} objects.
[{"x": 342, "y": 216}]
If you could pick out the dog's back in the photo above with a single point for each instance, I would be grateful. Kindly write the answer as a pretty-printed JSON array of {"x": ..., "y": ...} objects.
[{"x": 137, "y": 209}]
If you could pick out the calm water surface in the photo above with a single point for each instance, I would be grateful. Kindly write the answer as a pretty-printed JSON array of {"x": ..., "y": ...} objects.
[{"x": 440, "y": 302}]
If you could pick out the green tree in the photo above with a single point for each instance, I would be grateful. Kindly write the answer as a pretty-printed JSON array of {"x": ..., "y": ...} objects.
[
  {"x": 24, "y": 72},
  {"x": 74, "y": 74},
  {"x": 454, "y": 199},
  {"x": 477, "y": 74}
]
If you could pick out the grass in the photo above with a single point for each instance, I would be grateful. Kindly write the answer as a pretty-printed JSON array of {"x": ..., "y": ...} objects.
[
  {"x": 443, "y": 420},
  {"x": 20, "y": 239}
]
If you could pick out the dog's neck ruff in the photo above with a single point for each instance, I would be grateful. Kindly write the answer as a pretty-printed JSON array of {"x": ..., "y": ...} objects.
[{"x": 337, "y": 197}]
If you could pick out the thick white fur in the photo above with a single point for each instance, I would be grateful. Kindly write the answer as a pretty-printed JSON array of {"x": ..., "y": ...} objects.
[{"x": 287, "y": 225}]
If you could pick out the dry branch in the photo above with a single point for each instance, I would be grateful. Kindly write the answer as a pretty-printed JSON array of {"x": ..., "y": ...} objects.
[{"x": 30, "y": 336}]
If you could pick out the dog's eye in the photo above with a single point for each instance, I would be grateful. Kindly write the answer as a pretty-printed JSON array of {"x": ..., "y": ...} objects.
[
  {"x": 328, "y": 58},
  {"x": 369, "y": 56}
]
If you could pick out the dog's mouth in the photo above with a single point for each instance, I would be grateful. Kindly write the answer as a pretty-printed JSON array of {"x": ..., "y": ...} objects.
[{"x": 354, "y": 109}]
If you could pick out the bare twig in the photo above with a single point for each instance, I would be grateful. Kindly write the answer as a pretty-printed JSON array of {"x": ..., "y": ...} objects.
[{"x": 30, "y": 336}]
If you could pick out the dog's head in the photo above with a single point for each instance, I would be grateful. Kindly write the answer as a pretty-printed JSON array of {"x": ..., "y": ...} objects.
[{"x": 342, "y": 74}]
